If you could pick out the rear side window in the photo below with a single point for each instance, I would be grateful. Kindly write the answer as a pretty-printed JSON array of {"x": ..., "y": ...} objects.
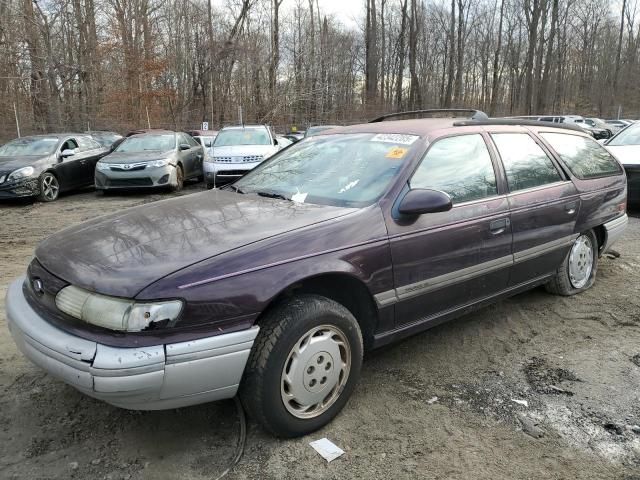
[
  {"x": 583, "y": 156},
  {"x": 525, "y": 163},
  {"x": 460, "y": 166}
]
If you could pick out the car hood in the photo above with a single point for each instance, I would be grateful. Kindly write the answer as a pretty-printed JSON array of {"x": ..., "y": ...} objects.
[
  {"x": 626, "y": 154},
  {"x": 129, "y": 157},
  {"x": 122, "y": 253},
  {"x": 241, "y": 150},
  {"x": 9, "y": 164}
]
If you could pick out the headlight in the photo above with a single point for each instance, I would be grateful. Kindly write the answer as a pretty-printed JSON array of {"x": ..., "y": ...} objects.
[
  {"x": 115, "y": 313},
  {"x": 102, "y": 166},
  {"x": 158, "y": 163},
  {"x": 21, "y": 173}
]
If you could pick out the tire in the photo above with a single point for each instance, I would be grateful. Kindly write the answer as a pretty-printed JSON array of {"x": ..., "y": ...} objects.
[
  {"x": 179, "y": 179},
  {"x": 283, "y": 350},
  {"x": 565, "y": 282},
  {"x": 49, "y": 187}
]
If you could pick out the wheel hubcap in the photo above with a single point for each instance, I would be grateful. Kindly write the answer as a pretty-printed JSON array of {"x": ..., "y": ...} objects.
[
  {"x": 315, "y": 372},
  {"x": 50, "y": 187},
  {"x": 581, "y": 261}
]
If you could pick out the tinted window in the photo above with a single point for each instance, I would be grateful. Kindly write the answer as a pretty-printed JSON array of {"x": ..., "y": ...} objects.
[
  {"x": 86, "y": 143},
  {"x": 525, "y": 163},
  {"x": 583, "y": 156},
  {"x": 243, "y": 136},
  {"x": 460, "y": 166}
]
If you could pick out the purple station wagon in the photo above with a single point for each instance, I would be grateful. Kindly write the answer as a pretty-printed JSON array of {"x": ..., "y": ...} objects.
[{"x": 273, "y": 287}]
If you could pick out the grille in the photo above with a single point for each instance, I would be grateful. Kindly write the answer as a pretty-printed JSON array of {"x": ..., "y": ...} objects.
[
  {"x": 239, "y": 159},
  {"x": 131, "y": 169},
  {"x": 130, "y": 182}
]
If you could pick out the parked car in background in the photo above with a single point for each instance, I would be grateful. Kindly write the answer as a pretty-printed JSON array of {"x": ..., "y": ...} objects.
[
  {"x": 317, "y": 129},
  {"x": 237, "y": 150},
  {"x": 292, "y": 138},
  {"x": 43, "y": 166},
  {"x": 616, "y": 125},
  {"x": 160, "y": 159},
  {"x": 596, "y": 123},
  {"x": 273, "y": 287},
  {"x": 625, "y": 146},
  {"x": 106, "y": 139},
  {"x": 283, "y": 142},
  {"x": 596, "y": 132},
  {"x": 204, "y": 137}
]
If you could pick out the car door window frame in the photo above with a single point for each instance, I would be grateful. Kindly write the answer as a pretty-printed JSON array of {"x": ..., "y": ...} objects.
[
  {"x": 497, "y": 171},
  {"x": 564, "y": 178}
]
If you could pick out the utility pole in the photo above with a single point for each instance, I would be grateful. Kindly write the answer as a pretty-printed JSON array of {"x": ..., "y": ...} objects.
[
  {"x": 148, "y": 121},
  {"x": 240, "y": 115},
  {"x": 211, "y": 95},
  {"x": 15, "y": 112}
]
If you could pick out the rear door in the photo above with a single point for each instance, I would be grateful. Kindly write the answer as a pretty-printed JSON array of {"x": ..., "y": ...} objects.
[
  {"x": 90, "y": 152},
  {"x": 443, "y": 261},
  {"x": 544, "y": 206}
]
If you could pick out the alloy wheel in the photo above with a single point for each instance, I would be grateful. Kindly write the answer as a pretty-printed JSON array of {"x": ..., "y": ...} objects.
[{"x": 50, "y": 187}]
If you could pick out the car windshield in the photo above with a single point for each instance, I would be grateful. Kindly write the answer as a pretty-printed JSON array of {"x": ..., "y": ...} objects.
[
  {"x": 346, "y": 170},
  {"x": 106, "y": 139},
  {"x": 628, "y": 136},
  {"x": 242, "y": 136},
  {"x": 29, "y": 146},
  {"x": 148, "y": 142}
]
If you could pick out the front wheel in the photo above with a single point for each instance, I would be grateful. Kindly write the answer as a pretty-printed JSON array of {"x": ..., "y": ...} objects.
[
  {"x": 304, "y": 366},
  {"x": 179, "y": 179},
  {"x": 577, "y": 272},
  {"x": 49, "y": 187}
]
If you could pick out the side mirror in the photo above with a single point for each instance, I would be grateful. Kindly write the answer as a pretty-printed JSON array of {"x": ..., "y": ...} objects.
[
  {"x": 67, "y": 153},
  {"x": 419, "y": 201},
  {"x": 184, "y": 146},
  {"x": 208, "y": 144},
  {"x": 275, "y": 142}
]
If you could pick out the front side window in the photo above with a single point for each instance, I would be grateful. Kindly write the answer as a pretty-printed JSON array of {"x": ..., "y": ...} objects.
[
  {"x": 583, "y": 156},
  {"x": 346, "y": 170},
  {"x": 29, "y": 146},
  {"x": 242, "y": 136},
  {"x": 141, "y": 143},
  {"x": 86, "y": 144},
  {"x": 525, "y": 163},
  {"x": 459, "y": 166}
]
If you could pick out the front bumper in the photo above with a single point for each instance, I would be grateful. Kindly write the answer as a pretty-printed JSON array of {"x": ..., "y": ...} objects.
[
  {"x": 25, "y": 187},
  {"x": 227, "y": 171},
  {"x": 149, "y": 177},
  {"x": 147, "y": 378}
]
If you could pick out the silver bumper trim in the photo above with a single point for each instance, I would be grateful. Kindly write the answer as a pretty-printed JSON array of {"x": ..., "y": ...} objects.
[
  {"x": 145, "y": 378},
  {"x": 615, "y": 228}
]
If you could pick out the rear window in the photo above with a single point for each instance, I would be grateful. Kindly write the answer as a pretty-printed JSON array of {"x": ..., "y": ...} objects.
[{"x": 583, "y": 156}]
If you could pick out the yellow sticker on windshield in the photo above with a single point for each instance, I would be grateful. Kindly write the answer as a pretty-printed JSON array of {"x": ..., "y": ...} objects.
[{"x": 396, "y": 152}]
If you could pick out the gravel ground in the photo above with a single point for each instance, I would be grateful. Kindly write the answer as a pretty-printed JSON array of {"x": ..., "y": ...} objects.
[{"x": 536, "y": 386}]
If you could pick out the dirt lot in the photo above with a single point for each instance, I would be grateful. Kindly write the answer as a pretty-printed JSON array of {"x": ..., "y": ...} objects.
[{"x": 464, "y": 400}]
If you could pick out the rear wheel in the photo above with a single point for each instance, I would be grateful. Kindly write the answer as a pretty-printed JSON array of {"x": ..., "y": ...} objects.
[
  {"x": 303, "y": 367},
  {"x": 49, "y": 187},
  {"x": 577, "y": 272}
]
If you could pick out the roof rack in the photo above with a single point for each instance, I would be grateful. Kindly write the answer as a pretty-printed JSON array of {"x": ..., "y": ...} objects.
[
  {"x": 515, "y": 121},
  {"x": 475, "y": 114}
]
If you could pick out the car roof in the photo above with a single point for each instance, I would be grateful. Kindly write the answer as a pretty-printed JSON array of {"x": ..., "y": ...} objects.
[
  {"x": 242, "y": 127},
  {"x": 436, "y": 127},
  {"x": 142, "y": 131},
  {"x": 202, "y": 133}
]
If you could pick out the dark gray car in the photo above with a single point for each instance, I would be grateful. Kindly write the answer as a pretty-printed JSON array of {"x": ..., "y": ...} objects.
[
  {"x": 42, "y": 166},
  {"x": 164, "y": 159}
]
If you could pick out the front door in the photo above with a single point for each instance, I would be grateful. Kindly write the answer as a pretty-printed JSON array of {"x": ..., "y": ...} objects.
[
  {"x": 444, "y": 261},
  {"x": 69, "y": 170},
  {"x": 544, "y": 206}
]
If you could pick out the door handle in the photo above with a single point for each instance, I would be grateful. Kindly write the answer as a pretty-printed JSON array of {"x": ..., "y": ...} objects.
[
  {"x": 499, "y": 226},
  {"x": 571, "y": 208}
]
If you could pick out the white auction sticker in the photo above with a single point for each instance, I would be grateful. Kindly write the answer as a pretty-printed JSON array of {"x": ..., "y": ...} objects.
[{"x": 396, "y": 138}]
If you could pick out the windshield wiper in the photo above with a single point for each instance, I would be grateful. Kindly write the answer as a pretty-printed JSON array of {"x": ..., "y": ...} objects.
[
  {"x": 235, "y": 189},
  {"x": 272, "y": 195}
]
